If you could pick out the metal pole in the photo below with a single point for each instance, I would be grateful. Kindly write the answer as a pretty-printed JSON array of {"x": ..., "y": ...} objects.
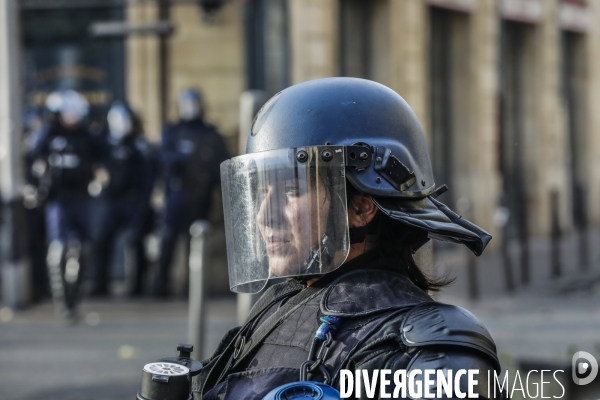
[
  {"x": 555, "y": 253},
  {"x": 196, "y": 308},
  {"x": 14, "y": 268},
  {"x": 502, "y": 219},
  {"x": 164, "y": 15},
  {"x": 472, "y": 275},
  {"x": 504, "y": 211},
  {"x": 472, "y": 263},
  {"x": 509, "y": 281},
  {"x": 523, "y": 236},
  {"x": 581, "y": 223}
]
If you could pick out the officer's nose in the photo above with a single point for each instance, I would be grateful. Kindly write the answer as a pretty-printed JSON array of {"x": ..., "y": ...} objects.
[{"x": 271, "y": 210}]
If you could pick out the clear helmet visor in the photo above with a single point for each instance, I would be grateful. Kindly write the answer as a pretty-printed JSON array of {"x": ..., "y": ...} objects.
[{"x": 285, "y": 215}]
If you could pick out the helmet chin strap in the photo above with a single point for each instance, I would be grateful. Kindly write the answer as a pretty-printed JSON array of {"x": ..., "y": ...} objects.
[
  {"x": 323, "y": 254},
  {"x": 320, "y": 255}
]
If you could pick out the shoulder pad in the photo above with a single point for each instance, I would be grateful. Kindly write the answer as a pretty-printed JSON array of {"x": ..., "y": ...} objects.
[
  {"x": 454, "y": 359},
  {"x": 445, "y": 324},
  {"x": 368, "y": 291}
]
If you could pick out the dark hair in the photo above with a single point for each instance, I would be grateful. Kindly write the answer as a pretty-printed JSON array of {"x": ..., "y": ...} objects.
[{"x": 395, "y": 241}]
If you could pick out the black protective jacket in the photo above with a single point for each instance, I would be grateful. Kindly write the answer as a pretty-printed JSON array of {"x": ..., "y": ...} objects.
[
  {"x": 71, "y": 155},
  {"x": 131, "y": 165},
  {"x": 191, "y": 153},
  {"x": 386, "y": 323}
]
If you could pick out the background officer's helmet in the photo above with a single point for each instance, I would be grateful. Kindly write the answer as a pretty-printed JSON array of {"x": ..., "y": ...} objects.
[
  {"x": 190, "y": 105},
  {"x": 69, "y": 104}
]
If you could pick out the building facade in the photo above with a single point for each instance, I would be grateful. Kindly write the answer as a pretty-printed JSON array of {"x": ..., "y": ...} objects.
[{"x": 505, "y": 89}]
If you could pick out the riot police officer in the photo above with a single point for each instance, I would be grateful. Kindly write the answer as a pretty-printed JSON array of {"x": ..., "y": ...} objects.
[
  {"x": 131, "y": 165},
  {"x": 190, "y": 153},
  {"x": 336, "y": 193},
  {"x": 68, "y": 159}
]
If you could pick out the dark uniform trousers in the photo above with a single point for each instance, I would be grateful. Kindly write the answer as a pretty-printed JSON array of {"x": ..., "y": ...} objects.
[
  {"x": 126, "y": 207},
  {"x": 387, "y": 323},
  {"x": 191, "y": 153}
]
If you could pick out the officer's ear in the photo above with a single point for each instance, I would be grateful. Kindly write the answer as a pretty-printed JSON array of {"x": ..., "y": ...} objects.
[{"x": 361, "y": 211}]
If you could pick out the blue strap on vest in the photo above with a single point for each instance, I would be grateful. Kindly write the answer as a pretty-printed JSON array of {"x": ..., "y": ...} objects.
[{"x": 330, "y": 324}]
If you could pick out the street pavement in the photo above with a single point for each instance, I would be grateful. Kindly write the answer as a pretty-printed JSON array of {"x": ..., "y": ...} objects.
[{"x": 102, "y": 356}]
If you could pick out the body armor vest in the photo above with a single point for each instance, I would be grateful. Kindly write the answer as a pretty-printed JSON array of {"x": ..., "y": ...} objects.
[{"x": 373, "y": 304}]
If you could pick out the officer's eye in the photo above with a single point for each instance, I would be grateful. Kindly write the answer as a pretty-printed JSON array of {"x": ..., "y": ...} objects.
[{"x": 292, "y": 191}]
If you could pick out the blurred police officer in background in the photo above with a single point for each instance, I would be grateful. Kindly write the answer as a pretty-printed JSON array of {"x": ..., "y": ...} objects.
[
  {"x": 190, "y": 152},
  {"x": 131, "y": 165},
  {"x": 67, "y": 159}
]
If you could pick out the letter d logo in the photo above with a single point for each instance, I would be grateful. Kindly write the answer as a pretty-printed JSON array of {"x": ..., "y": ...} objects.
[{"x": 585, "y": 368}]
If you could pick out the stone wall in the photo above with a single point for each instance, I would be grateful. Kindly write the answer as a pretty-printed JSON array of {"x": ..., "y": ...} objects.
[
  {"x": 592, "y": 140},
  {"x": 143, "y": 69},
  {"x": 313, "y": 39},
  {"x": 211, "y": 56},
  {"x": 207, "y": 55}
]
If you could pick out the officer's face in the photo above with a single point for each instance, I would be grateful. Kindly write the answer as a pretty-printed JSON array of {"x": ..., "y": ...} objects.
[
  {"x": 188, "y": 108},
  {"x": 70, "y": 119},
  {"x": 292, "y": 219},
  {"x": 119, "y": 123}
]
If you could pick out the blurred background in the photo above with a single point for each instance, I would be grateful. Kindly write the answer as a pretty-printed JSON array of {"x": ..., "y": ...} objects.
[{"x": 506, "y": 91}]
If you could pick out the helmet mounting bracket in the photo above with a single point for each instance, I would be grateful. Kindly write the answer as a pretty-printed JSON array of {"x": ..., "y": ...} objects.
[
  {"x": 358, "y": 156},
  {"x": 393, "y": 170}
]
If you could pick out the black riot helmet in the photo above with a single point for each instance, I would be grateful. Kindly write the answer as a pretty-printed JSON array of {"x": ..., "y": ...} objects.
[
  {"x": 322, "y": 130},
  {"x": 347, "y": 112}
]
